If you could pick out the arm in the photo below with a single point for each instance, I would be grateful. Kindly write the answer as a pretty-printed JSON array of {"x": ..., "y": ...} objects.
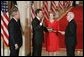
[
  {"x": 72, "y": 29},
  {"x": 35, "y": 25},
  {"x": 45, "y": 25},
  {"x": 45, "y": 29},
  {"x": 12, "y": 34},
  {"x": 62, "y": 32}
]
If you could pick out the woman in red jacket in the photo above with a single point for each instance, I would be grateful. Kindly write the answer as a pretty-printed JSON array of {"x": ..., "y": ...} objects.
[{"x": 52, "y": 39}]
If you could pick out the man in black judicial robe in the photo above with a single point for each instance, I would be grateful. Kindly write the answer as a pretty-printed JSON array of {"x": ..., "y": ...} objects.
[
  {"x": 70, "y": 35},
  {"x": 38, "y": 34},
  {"x": 15, "y": 34},
  {"x": 70, "y": 38}
]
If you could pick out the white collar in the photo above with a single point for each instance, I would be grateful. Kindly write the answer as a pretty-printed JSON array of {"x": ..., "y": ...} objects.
[
  {"x": 15, "y": 19},
  {"x": 38, "y": 18},
  {"x": 70, "y": 20}
]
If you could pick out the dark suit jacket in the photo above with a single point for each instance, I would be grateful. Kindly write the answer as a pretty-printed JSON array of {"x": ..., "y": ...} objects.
[
  {"x": 38, "y": 31},
  {"x": 15, "y": 35},
  {"x": 70, "y": 33}
]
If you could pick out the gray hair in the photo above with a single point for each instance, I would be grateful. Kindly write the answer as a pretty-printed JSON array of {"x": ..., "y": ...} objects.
[{"x": 71, "y": 14}]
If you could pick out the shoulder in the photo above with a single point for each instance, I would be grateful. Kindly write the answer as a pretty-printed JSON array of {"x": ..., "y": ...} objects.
[
  {"x": 73, "y": 22},
  {"x": 11, "y": 22},
  {"x": 34, "y": 20}
]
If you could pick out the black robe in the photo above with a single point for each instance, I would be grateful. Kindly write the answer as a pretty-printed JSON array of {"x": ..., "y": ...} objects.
[{"x": 70, "y": 37}]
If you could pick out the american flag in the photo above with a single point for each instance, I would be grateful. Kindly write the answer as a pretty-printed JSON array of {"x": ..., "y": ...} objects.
[
  {"x": 61, "y": 5},
  {"x": 45, "y": 10},
  {"x": 67, "y": 4},
  {"x": 32, "y": 9},
  {"x": 53, "y": 6},
  {"x": 4, "y": 22}
]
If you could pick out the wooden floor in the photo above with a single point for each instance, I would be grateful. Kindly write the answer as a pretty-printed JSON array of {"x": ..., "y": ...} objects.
[{"x": 62, "y": 52}]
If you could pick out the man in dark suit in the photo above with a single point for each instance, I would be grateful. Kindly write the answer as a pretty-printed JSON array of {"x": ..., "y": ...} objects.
[
  {"x": 15, "y": 35},
  {"x": 70, "y": 35},
  {"x": 38, "y": 34}
]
